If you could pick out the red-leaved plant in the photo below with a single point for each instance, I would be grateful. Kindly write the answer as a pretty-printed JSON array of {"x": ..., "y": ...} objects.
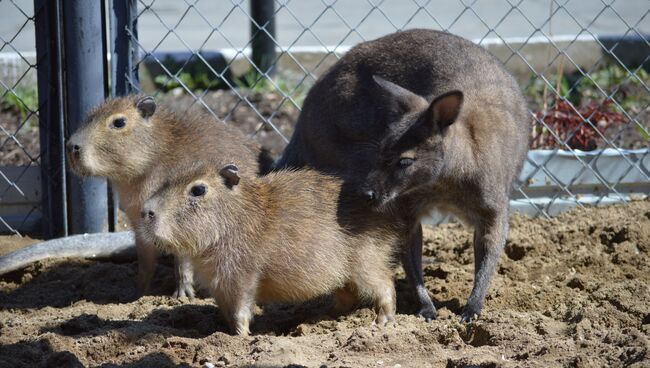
[{"x": 570, "y": 127}]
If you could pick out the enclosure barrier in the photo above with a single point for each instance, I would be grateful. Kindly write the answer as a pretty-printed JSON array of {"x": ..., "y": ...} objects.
[{"x": 582, "y": 65}]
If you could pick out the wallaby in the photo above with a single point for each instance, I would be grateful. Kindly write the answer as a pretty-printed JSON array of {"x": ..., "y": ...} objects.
[
  {"x": 278, "y": 238},
  {"x": 417, "y": 120},
  {"x": 133, "y": 143}
]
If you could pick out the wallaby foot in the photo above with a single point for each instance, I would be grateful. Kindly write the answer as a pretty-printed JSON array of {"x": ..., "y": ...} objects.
[
  {"x": 412, "y": 263},
  {"x": 427, "y": 310},
  {"x": 489, "y": 239},
  {"x": 470, "y": 314}
]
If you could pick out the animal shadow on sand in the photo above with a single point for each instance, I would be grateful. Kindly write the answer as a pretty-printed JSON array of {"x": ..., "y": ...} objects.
[
  {"x": 40, "y": 354},
  {"x": 67, "y": 282}
]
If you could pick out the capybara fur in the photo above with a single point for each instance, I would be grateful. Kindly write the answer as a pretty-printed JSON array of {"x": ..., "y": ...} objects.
[
  {"x": 276, "y": 238},
  {"x": 133, "y": 142}
]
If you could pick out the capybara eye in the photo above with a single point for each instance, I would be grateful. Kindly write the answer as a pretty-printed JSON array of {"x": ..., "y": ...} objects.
[
  {"x": 406, "y": 162},
  {"x": 198, "y": 190},
  {"x": 119, "y": 123}
]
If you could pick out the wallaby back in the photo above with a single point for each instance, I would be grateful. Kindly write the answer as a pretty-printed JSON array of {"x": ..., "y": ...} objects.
[
  {"x": 417, "y": 120},
  {"x": 346, "y": 113}
]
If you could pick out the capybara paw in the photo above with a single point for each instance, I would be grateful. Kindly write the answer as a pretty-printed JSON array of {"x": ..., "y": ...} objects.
[
  {"x": 384, "y": 320},
  {"x": 242, "y": 331},
  {"x": 184, "y": 291}
]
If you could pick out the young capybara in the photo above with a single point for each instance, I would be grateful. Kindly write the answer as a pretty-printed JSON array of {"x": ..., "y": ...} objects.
[
  {"x": 133, "y": 142},
  {"x": 278, "y": 238},
  {"x": 421, "y": 119}
]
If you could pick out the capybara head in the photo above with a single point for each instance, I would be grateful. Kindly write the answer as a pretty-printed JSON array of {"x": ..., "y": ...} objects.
[
  {"x": 119, "y": 139},
  {"x": 411, "y": 154},
  {"x": 192, "y": 211}
]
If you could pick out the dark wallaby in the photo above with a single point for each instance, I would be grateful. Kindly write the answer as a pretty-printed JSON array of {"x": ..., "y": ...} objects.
[{"x": 418, "y": 120}]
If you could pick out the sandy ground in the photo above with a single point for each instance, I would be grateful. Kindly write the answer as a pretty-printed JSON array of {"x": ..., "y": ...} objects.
[{"x": 572, "y": 291}]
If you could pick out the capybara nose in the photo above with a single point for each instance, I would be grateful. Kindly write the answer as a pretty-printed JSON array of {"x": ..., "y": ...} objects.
[
  {"x": 73, "y": 148},
  {"x": 147, "y": 214}
]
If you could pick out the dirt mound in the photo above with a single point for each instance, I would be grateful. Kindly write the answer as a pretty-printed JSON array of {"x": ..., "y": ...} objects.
[{"x": 571, "y": 291}]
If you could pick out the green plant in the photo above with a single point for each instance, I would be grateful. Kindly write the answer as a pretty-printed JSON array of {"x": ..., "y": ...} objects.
[
  {"x": 643, "y": 133},
  {"x": 283, "y": 85},
  {"x": 193, "y": 74},
  {"x": 191, "y": 81},
  {"x": 21, "y": 99},
  {"x": 611, "y": 79},
  {"x": 627, "y": 89}
]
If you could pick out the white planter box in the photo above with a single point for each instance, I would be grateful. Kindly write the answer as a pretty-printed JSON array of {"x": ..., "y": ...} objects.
[{"x": 554, "y": 181}]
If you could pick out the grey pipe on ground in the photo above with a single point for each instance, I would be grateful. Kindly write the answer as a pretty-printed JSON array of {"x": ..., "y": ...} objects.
[{"x": 100, "y": 245}]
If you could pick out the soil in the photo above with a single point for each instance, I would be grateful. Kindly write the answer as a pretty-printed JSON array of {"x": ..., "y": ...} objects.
[{"x": 571, "y": 291}]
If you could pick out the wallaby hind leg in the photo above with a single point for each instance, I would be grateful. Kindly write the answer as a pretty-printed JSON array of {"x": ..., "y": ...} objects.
[
  {"x": 412, "y": 263},
  {"x": 147, "y": 261},
  {"x": 489, "y": 239},
  {"x": 184, "y": 273}
]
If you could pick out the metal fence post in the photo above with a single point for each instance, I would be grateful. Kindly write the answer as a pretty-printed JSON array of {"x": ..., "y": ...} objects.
[
  {"x": 123, "y": 27},
  {"x": 262, "y": 34},
  {"x": 84, "y": 89},
  {"x": 51, "y": 127}
]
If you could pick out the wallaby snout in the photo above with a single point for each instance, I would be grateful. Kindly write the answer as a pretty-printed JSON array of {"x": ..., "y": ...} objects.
[{"x": 375, "y": 193}]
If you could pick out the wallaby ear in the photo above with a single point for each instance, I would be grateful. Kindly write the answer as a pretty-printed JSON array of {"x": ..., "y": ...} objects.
[
  {"x": 406, "y": 99},
  {"x": 230, "y": 173},
  {"x": 445, "y": 108},
  {"x": 146, "y": 106}
]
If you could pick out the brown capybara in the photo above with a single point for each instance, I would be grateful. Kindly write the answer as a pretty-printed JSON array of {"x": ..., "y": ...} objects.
[
  {"x": 276, "y": 238},
  {"x": 133, "y": 142},
  {"x": 420, "y": 120}
]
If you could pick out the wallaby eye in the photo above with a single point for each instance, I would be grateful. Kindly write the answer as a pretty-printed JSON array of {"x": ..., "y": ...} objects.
[
  {"x": 198, "y": 190},
  {"x": 118, "y": 123},
  {"x": 405, "y": 162}
]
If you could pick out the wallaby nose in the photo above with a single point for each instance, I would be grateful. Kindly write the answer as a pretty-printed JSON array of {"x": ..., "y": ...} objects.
[{"x": 370, "y": 194}]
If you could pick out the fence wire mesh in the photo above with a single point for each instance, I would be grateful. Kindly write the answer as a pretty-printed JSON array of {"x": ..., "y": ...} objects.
[
  {"x": 588, "y": 94},
  {"x": 19, "y": 124},
  {"x": 583, "y": 66}
]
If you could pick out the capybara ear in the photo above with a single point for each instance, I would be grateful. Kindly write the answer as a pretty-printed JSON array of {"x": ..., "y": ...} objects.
[
  {"x": 230, "y": 173},
  {"x": 146, "y": 106},
  {"x": 444, "y": 110},
  {"x": 406, "y": 99}
]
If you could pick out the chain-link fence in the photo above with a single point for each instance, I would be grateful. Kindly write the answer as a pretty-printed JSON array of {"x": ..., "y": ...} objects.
[
  {"x": 19, "y": 119},
  {"x": 583, "y": 66}
]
